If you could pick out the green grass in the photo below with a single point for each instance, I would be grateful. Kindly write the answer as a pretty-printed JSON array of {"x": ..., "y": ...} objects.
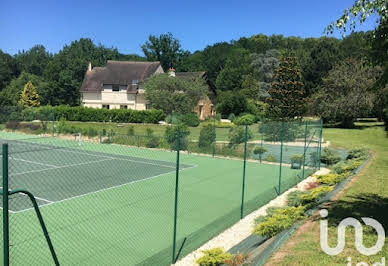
[
  {"x": 131, "y": 223},
  {"x": 367, "y": 197}
]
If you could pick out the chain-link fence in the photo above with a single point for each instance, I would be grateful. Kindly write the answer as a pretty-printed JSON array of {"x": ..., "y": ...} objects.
[{"x": 149, "y": 199}]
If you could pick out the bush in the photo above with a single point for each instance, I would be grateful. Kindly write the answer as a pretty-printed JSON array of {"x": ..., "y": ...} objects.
[
  {"x": 218, "y": 124},
  {"x": 330, "y": 156},
  {"x": 86, "y": 114},
  {"x": 275, "y": 131},
  {"x": 270, "y": 158},
  {"x": 297, "y": 161},
  {"x": 259, "y": 150},
  {"x": 91, "y": 132},
  {"x": 247, "y": 119},
  {"x": 316, "y": 194},
  {"x": 207, "y": 136},
  {"x": 153, "y": 142},
  {"x": 385, "y": 118},
  {"x": 190, "y": 119},
  {"x": 12, "y": 125},
  {"x": 231, "y": 117},
  {"x": 214, "y": 257},
  {"x": 171, "y": 135},
  {"x": 131, "y": 131},
  {"x": 240, "y": 259},
  {"x": 149, "y": 132},
  {"x": 281, "y": 219},
  {"x": 332, "y": 179},
  {"x": 346, "y": 166},
  {"x": 295, "y": 198},
  {"x": 237, "y": 135},
  {"x": 358, "y": 153}
]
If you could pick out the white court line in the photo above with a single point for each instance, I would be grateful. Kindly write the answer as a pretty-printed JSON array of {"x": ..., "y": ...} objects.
[
  {"x": 28, "y": 161},
  {"x": 118, "y": 158},
  {"x": 104, "y": 189},
  {"x": 58, "y": 167}
]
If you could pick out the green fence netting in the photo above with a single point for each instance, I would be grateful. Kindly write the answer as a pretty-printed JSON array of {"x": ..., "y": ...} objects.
[{"x": 143, "y": 199}]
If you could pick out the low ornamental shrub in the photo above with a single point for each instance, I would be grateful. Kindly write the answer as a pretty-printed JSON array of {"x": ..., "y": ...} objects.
[
  {"x": 280, "y": 220},
  {"x": 214, "y": 257},
  {"x": 218, "y": 124},
  {"x": 247, "y": 119},
  {"x": 130, "y": 131},
  {"x": 270, "y": 158},
  {"x": 86, "y": 114},
  {"x": 240, "y": 259},
  {"x": 190, "y": 119},
  {"x": 332, "y": 178},
  {"x": 330, "y": 156},
  {"x": 260, "y": 150},
  {"x": 295, "y": 198},
  {"x": 347, "y": 166},
  {"x": 357, "y": 153},
  {"x": 171, "y": 136},
  {"x": 207, "y": 136},
  {"x": 316, "y": 194},
  {"x": 237, "y": 135},
  {"x": 91, "y": 132}
]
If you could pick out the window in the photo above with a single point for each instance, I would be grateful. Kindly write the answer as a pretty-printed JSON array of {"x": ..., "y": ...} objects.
[
  {"x": 106, "y": 106},
  {"x": 123, "y": 106},
  {"x": 135, "y": 82},
  {"x": 115, "y": 87}
]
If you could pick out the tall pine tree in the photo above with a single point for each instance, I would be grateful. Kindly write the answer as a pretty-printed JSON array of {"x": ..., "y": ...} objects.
[
  {"x": 30, "y": 96},
  {"x": 287, "y": 93}
]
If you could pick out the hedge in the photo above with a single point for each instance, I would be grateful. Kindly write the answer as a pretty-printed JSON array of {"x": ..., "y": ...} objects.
[
  {"x": 85, "y": 114},
  {"x": 385, "y": 118}
]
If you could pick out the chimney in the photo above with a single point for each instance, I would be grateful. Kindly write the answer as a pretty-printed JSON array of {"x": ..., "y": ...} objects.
[
  {"x": 90, "y": 66},
  {"x": 171, "y": 72}
]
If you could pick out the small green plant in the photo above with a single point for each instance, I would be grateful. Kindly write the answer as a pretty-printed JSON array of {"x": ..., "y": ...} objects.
[
  {"x": 317, "y": 193},
  {"x": 214, "y": 257},
  {"x": 237, "y": 135},
  {"x": 270, "y": 158},
  {"x": 61, "y": 125},
  {"x": 207, "y": 136},
  {"x": 297, "y": 161},
  {"x": 281, "y": 219},
  {"x": 357, "y": 153},
  {"x": 347, "y": 166},
  {"x": 247, "y": 119},
  {"x": 259, "y": 150},
  {"x": 149, "y": 132},
  {"x": 130, "y": 131},
  {"x": 91, "y": 132},
  {"x": 332, "y": 178},
  {"x": 295, "y": 198},
  {"x": 330, "y": 156}
]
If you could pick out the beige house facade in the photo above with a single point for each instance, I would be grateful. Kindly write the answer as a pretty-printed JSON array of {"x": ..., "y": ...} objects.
[{"x": 118, "y": 85}]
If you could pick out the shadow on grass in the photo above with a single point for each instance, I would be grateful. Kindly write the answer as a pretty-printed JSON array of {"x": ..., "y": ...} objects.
[{"x": 363, "y": 205}]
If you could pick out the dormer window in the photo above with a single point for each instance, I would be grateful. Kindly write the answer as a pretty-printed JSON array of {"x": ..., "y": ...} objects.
[{"x": 115, "y": 87}]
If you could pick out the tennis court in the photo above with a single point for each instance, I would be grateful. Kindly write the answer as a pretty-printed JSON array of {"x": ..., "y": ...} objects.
[{"x": 113, "y": 204}]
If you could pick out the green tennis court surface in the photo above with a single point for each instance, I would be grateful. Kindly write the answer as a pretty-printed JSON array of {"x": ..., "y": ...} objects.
[{"x": 111, "y": 204}]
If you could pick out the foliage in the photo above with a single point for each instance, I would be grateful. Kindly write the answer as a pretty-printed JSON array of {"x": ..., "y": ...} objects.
[
  {"x": 271, "y": 158},
  {"x": 238, "y": 135},
  {"x": 30, "y": 96},
  {"x": 287, "y": 95},
  {"x": 231, "y": 117},
  {"x": 260, "y": 150},
  {"x": 174, "y": 94},
  {"x": 315, "y": 194},
  {"x": 8, "y": 69},
  {"x": 189, "y": 119},
  {"x": 295, "y": 198},
  {"x": 213, "y": 257},
  {"x": 171, "y": 135},
  {"x": 207, "y": 136},
  {"x": 246, "y": 119},
  {"x": 232, "y": 103},
  {"x": 358, "y": 153},
  {"x": 281, "y": 219},
  {"x": 277, "y": 131},
  {"x": 130, "y": 131},
  {"x": 330, "y": 156},
  {"x": 240, "y": 259},
  {"x": 347, "y": 166},
  {"x": 332, "y": 178},
  {"x": 218, "y": 124},
  {"x": 85, "y": 114},
  {"x": 297, "y": 158},
  {"x": 33, "y": 61},
  {"x": 345, "y": 93},
  {"x": 385, "y": 117},
  {"x": 164, "y": 48}
]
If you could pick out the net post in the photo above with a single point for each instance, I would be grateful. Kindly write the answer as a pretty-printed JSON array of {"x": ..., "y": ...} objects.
[
  {"x": 304, "y": 149},
  {"x": 176, "y": 195},
  {"x": 320, "y": 145},
  {"x": 244, "y": 172},
  {"x": 5, "y": 206},
  {"x": 281, "y": 158}
]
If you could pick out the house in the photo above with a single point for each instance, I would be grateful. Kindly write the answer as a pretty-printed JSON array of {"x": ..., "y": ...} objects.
[{"x": 119, "y": 85}]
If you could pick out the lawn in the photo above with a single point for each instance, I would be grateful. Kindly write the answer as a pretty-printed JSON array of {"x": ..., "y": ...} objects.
[{"x": 367, "y": 196}]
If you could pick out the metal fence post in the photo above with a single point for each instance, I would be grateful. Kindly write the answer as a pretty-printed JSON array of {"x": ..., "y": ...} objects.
[
  {"x": 176, "y": 194},
  {"x": 281, "y": 158},
  {"x": 304, "y": 149},
  {"x": 244, "y": 170},
  {"x": 5, "y": 206},
  {"x": 320, "y": 145}
]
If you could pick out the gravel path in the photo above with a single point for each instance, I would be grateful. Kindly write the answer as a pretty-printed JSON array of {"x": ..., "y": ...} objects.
[{"x": 244, "y": 228}]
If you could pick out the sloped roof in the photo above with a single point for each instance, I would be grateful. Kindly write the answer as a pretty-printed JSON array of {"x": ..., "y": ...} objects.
[{"x": 118, "y": 72}]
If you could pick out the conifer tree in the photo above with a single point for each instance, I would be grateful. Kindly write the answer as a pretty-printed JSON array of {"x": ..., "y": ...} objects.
[
  {"x": 30, "y": 96},
  {"x": 287, "y": 94}
]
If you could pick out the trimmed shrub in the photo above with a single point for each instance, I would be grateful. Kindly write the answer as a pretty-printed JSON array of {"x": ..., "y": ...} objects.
[
  {"x": 270, "y": 158},
  {"x": 237, "y": 135},
  {"x": 346, "y": 166},
  {"x": 86, "y": 114},
  {"x": 332, "y": 179},
  {"x": 153, "y": 142},
  {"x": 207, "y": 136},
  {"x": 281, "y": 219},
  {"x": 149, "y": 132},
  {"x": 260, "y": 150},
  {"x": 214, "y": 257},
  {"x": 358, "y": 153},
  {"x": 316, "y": 194},
  {"x": 190, "y": 119},
  {"x": 295, "y": 198},
  {"x": 218, "y": 124},
  {"x": 131, "y": 131},
  {"x": 297, "y": 161},
  {"x": 330, "y": 156},
  {"x": 247, "y": 119},
  {"x": 171, "y": 135},
  {"x": 91, "y": 132}
]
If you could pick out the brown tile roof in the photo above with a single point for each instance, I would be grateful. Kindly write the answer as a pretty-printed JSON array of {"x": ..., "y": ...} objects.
[{"x": 120, "y": 73}]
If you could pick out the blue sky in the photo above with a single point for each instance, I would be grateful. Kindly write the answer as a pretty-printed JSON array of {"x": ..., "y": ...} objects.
[{"x": 126, "y": 25}]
